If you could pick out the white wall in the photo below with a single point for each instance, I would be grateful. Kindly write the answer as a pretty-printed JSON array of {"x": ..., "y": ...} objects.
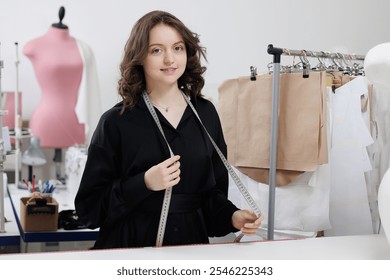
[{"x": 236, "y": 33}]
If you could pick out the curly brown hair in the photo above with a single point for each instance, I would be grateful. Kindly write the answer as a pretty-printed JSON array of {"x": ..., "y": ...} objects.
[{"x": 132, "y": 82}]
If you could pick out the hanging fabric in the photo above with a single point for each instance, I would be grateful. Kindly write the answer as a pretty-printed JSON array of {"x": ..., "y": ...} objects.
[
  {"x": 245, "y": 112},
  {"x": 349, "y": 160},
  {"x": 337, "y": 79}
]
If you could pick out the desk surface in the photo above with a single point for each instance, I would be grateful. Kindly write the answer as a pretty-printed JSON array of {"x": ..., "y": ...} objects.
[
  {"x": 11, "y": 236},
  {"x": 363, "y": 247},
  {"x": 65, "y": 202}
]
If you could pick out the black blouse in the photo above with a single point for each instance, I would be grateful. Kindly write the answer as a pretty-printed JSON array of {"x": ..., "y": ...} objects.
[{"x": 113, "y": 195}]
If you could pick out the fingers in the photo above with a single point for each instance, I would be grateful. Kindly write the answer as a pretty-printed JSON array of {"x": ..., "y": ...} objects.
[
  {"x": 250, "y": 228},
  {"x": 171, "y": 161},
  {"x": 163, "y": 175},
  {"x": 172, "y": 164},
  {"x": 174, "y": 175},
  {"x": 172, "y": 170}
]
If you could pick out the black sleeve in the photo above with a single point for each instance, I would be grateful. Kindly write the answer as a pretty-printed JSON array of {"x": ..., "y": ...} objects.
[{"x": 104, "y": 196}]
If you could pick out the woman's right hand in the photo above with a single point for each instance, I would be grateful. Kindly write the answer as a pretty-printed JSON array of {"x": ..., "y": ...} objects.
[{"x": 163, "y": 175}]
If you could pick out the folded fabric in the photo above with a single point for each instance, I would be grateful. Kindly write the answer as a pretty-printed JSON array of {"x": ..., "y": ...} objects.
[{"x": 68, "y": 220}]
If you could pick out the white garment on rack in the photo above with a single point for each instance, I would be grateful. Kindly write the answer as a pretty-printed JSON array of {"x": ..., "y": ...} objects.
[
  {"x": 350, "y": 136},
  {"x": 302, "y": 206},
  {"x": 88, "y": 107}
]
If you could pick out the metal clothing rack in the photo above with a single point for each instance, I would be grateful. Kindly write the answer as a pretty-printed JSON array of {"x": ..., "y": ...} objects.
[
  {"x": 277, "y": 53},
  {"x": 2, "y": 218}
]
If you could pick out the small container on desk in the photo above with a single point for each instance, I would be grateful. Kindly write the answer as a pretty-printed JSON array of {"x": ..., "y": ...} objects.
[{"x": 39, "y": 213}]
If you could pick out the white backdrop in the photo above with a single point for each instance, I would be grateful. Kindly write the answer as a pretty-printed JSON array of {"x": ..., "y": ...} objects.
[{"x": 236, "y": 33}]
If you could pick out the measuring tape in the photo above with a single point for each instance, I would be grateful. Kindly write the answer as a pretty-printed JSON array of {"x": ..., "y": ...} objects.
[
  {"x": 168, "y": 192},
  {"x": 248, "y": 198}
]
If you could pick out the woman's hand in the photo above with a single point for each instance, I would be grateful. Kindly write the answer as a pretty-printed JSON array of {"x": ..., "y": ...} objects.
[
  {"x": 163, "y": 175},
  {"x": 246, "y": 221}
]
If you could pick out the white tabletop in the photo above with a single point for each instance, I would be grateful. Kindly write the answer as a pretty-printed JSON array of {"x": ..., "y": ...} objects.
[{"x": 364, "y": 247}]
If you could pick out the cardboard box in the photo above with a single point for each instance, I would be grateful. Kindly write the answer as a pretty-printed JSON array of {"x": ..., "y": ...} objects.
[{"x": 39, "y": 214}]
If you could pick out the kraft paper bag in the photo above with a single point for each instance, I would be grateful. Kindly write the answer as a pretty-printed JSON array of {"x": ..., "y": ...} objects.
[{"x": 245, "y": 109}]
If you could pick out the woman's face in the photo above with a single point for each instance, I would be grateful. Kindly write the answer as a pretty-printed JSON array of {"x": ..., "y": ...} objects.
[{"x": 166, "y": 59}]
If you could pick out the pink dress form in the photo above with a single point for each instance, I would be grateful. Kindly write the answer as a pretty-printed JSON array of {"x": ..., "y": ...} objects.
[{"x": 58, "y": 67}]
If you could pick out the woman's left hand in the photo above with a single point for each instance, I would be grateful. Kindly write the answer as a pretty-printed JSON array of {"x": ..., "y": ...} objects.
[{"x": 246, "y": 221}]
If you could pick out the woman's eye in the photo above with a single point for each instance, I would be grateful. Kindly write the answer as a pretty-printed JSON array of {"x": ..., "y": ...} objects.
[
  {"x": 179, "y": 48},
  {"x": 156, "y": 51}
]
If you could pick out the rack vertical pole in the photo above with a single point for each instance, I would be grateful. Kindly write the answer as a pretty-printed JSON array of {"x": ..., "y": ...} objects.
[
  {"x": 2, "y": 218},
  {"x": 276, "y": 52},
  {"x": 2, "y": 186},
  {"x": 18, "y": 130}
]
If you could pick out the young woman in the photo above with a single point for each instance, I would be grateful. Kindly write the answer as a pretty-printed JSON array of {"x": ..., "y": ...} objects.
[{"x": 129, "y": 164}]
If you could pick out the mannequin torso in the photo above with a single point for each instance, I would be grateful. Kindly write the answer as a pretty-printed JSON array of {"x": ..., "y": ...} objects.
[
  {"x": 58, "y": 67},
  {"x": 377, "y": 66},
  {"x": 377, "y": 70}
]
